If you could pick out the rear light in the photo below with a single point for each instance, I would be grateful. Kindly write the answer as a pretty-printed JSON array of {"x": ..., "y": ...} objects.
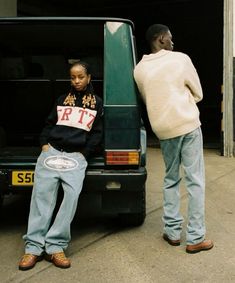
[{"x": 121, "y": 157}]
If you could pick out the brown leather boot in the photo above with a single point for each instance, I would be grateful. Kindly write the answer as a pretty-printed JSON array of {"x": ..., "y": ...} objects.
[
  {"x": 59, "y": 260},
  {"x": 171, "y": 242},
  {"x": 203, "y": 246},
  {"x": 28, "y": 261}
]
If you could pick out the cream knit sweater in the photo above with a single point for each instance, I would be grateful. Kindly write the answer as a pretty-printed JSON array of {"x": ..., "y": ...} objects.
[{"x": 170, "y": 87}]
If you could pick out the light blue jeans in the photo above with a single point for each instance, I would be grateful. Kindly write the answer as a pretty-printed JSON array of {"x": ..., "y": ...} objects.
[
  {"x": 52, "y": 169},
  {"x": 185, "y": 151}
]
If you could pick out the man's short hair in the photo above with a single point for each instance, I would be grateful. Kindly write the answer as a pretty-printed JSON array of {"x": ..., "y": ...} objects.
[{"x": 154, "y": 31}]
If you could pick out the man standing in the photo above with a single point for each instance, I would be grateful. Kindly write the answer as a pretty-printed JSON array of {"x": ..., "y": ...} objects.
[{"x": 170, "y": 87}]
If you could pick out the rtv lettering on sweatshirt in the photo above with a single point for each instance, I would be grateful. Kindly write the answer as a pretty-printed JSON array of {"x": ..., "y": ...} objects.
[{"x": 77, "y": 117}]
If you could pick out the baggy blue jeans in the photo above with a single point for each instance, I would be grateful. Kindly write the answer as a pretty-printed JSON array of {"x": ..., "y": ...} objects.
[
  {"x": 42, "y": 235},
  {"x": 185, "y": 151}
]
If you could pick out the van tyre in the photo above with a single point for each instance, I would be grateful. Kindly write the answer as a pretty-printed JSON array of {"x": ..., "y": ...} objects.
[{"x": 134, "y": 219}]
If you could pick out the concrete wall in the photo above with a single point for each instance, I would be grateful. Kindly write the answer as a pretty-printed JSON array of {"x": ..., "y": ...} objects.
[
  {"x": 233, "y": 3},
  {"x": 8, "y": 8},
  {"x": 228, "y": 80}
]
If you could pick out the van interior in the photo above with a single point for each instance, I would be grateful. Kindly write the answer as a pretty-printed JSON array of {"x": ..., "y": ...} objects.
[{"x": 34, "y": 71}]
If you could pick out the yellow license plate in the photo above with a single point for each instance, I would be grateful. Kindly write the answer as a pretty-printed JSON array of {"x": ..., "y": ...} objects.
[{"x": 22, "y": 178}]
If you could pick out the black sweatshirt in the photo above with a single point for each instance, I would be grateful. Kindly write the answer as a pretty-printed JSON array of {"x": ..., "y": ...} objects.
[{"x": 77, "y": 128}]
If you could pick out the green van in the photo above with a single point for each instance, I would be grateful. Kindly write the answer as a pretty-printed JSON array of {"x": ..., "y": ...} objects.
[{"x": 34, "y": 57}]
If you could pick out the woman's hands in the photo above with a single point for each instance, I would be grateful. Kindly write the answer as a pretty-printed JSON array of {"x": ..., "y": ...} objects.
[{"x": 45, "y": 147}]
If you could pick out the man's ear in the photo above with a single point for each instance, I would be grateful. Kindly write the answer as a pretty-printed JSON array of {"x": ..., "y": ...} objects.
[{"x": 161, "y": 39}]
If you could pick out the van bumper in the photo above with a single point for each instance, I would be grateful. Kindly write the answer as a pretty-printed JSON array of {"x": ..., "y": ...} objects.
[
  {"x": 96, "y": 180},
  {"x": 115, "y": 180}
]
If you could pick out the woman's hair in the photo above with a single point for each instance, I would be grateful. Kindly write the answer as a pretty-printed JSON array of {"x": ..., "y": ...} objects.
[
  {"x": 154, "y": 31},
  {"x": 86, "y": 66}
]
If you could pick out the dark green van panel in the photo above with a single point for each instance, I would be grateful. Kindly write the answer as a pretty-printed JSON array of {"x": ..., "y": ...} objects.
[
  {"x": 122, "y": 126},
  {"x": 118, "y": 65},
  {"x": 122, "y": 117}
]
